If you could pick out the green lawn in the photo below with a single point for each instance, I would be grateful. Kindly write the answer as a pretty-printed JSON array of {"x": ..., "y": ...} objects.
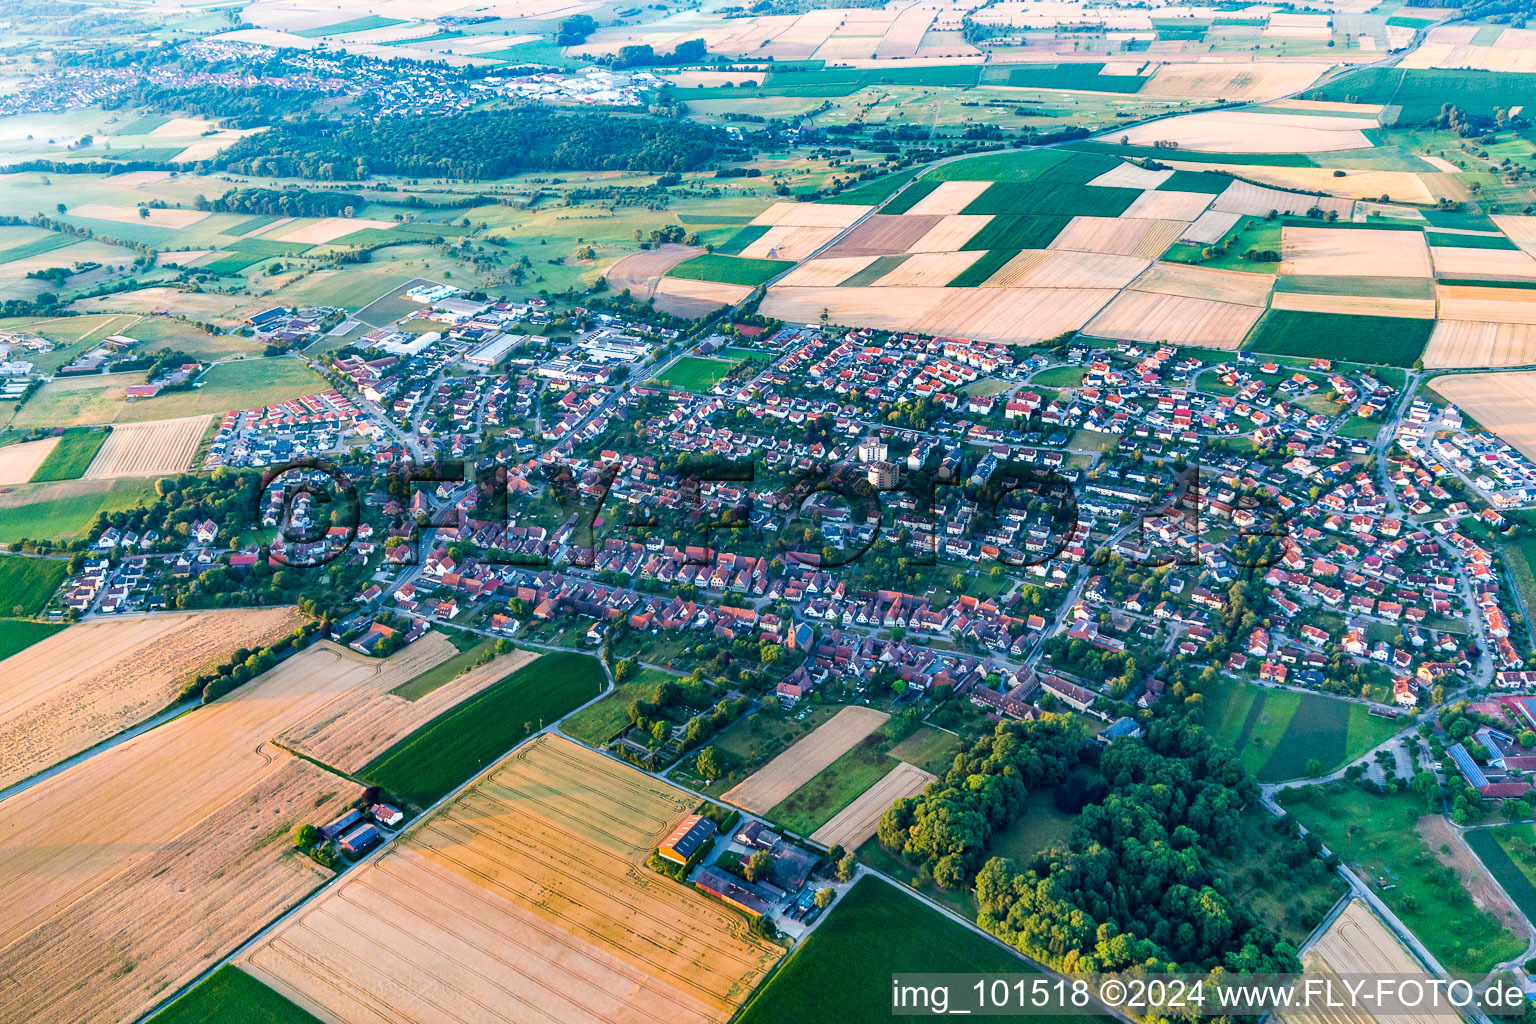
[
  {"x": 19, "y": 634},
  {"x": 1395, "y": 341},
  {"x": 64, "y": 518},
  {"x": 696, "y": 374},
  {"x": 1059, "y": 377},
  {"x": 844, "y": 780},
  {"x": 932, "y": 750},
  {"x": 27, "y": 583},
  {"x": 230, "y": 996},
  {"x": 1276, "y": 732},
  {"x": 729, "y": 269},
  {"x": 72, "y": 456},
  {"x": 1378, "y": 836},
  {"x": 419, "y": 686},
  {"x": 607, "y": 718},
  {"x": 461, "y": 742},
  {"x": 1039, "y": 827},
  {"x": 841, "y": 973},
  {"x": 1509, "y": 854},
  {"x": 1521, "y": 556}
]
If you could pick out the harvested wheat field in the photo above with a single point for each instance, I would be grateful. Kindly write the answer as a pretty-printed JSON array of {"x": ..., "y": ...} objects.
[
  {"x": 1344, "y": 252},
  {"x": 1401, "y": 186},
  {"x": 949, "y": 198},
  {"x": 1357, "y": 305},
  {"x": 1206, "y": 283},
  {"x": 149, "y": 449},
  {"x": 1178, "y": 319},
  {"x": 1483, "y": 263},
  {"x": 811, "y": 215},
  {"x": 19, "y": 461},
  {"x": 1465, "y": 344},
  {"x": 524, "y": 899},
  {"x": 1490, "y": 305},
  {"x": 1016, "y": 315},
  {"x": 1254, "y": 131},
  {"x": 1054, "y": 268},
  {"x": 1505, "y": 403},
  {"x": 1252, "y": 200},
  {"x": 1185, "y": 206},
  {"x": 328, "y": 229},
  {"x": 1112, "y": 235},
  {"x": 788, "y": 242},
  {"x": 640, "y": 272},
  {"x": 696, "y": 298},
  {"x": 949, "y": 234},
  {"x": 827, "y": 272},
  {"x": 928, "y": 270},
  {"x": 884, "y": 234},
  {"x": 162, "y": 218},
  {"x": 855, "y": 823},
  {"x": 1131, "y": 176},
  {"x": 1521, "y": 231},
  {"x": 1210, "y": 227},
  {"x": 128, "y": 873},
  {"x": 774, "y": 782},
  {"x": 1235, "y": 81},
  {"x": 77, "y": 688},
  {"x": 363, "y": 723},
  {"x": 1358, "y": 944}
]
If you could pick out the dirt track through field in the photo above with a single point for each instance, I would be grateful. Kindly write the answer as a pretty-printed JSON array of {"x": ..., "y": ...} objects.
[
  {"x": 148, "y": 449},
  {"x": 770, "y": 785},
  {"x": 851, "y": 826},
  {"x": 77, "y": 688},
  {"x": 130, "y": 872},
  {"x": 525, "y": 899}
]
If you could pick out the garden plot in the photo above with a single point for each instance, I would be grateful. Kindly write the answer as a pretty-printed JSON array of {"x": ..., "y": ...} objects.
[
  {"x": 951, "y": 197},
  {"x": 1467, "y": 344},
  {"x": 19, "y": 461},
  {"x": 1248, "y": 199},
  {"x": 1489, "y": 305},
  {"x": 857, "y": 822},
  {"x": 1342, "y": 252},
  {"x": 77, "y": 688},
  {"x": 525, "y": 899},
  {"x": 775, "y": 781},
  {"x": 1501, "y": 402},
  {"x": 1052, "y": 268},
  {"x": 1178, "y": 319},
  {"x": 1254, "y": 132},
  {"x": 149, "y": 449}
]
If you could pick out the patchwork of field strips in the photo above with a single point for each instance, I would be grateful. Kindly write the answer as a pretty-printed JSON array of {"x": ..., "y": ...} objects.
[
  {"x": 854, "y": 824},
  {"x": 775, "y": 781},
  {"x": 525, "y": 899}
]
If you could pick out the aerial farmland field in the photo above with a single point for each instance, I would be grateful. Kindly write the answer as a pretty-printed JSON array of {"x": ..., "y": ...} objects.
[{"x": 527, "y": 894}]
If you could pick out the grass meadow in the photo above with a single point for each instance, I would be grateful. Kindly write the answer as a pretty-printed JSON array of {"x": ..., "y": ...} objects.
[
  {"x": 26, "y": 583},
  {"x": 1277, "y": 732},
  {"x": 230, "y": 996}
]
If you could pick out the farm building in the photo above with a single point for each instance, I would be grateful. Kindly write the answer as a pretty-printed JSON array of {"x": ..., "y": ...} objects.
[
  {"x": 384, "y": 814},
  {"x": 340, "y": 826},
  {"x": 687, "y": 839},
  {"x": 739, "y": 893},
  {"x": 360, "y": 840}
]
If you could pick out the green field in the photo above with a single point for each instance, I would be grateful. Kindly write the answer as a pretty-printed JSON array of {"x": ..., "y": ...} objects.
[
  {"x": 1451, "y": 240},
  {"x": 990, "y": 263},
  {"x": 1208, "y": 182},
  {"x": 1059, "y": 377},
  {"x": 1378, "y": 835},
  {"x": 1521, "y": 556},
  {"x": 602, "y": 721},
  {"x": 741, "y": 239},
  {"x": 932, "y": 750},
  {"x": 1383, "y": 287},
  {"x": 841, "y": 973},
  {"x": 1394, "y": 341},
  {"x": 1422, "y": 92},
  {"x": 1509, "y": 854},
  {"x": 760, "y": 737},
  {"x": 64, "y": 517},
  {"x": 241, "y": 384},
  {"x": 36, "y": 247},
  {"x": 457, "y": 744},
  {"x": 1074, "y": 76},
  {"x": 1062, "y": 199},
  {"x": 1276, "y": 732},
  {"x": 814, "y": 804},
  {"x": 230, "y": 996},
  {"x": 438, "y": 676},
  {"x": 352, "y": 25},
  {"x": 696, "y": 374},
  {"x": 19, "y": 634},
  {"x": 1039, "y": 827},
  {"x": 27, "y": 583},
  {"x": 72, "y": 456},
  {"x": 729, "y": 269},
  {"x": 874, "y": 191},
  {"x": 1025, "y": 166},
  {"x": 1017, "y": 232}
]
